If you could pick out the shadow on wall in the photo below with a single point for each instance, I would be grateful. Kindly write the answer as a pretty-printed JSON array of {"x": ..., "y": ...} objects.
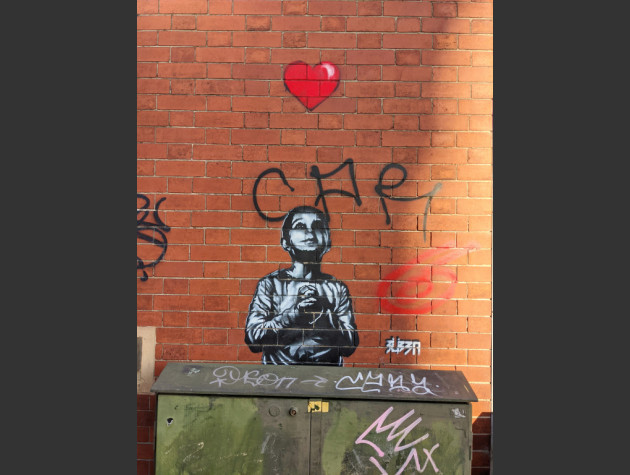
[{"x": 482, "y": 444}]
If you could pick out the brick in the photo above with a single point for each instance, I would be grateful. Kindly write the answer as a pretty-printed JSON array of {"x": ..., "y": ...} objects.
[
  {"x": 220, "y": 87},
  {"x": 406, "y": 41},
  {"x": 407, "y": 122},
  {"x": 295, "y": 121},
  {"x": 257, "y": 71},
  {"x": 441, "y": 42},
  {"x": 219, "y": 119},
  {"x": 333, "y": 24},
  {"x": 146, "y": 70},
  {"x": 482, "y": 91},
  {"x": 407, "y": 8},
  {"x": 482, "y": 26},
  {"x": 183, "y": 6},
  {"x": 147, "y": 6},
  {"x": 476, "y": 42},
  {"x": 144, "y": 167},
  {"x": 294, "y": 40},
  {"x": 181, "y": 119},
  {"x": 217, "y": 185},
  {"x": 332, "y": 40},
  {"x": 178, "y": 335},
  {"x": 145, "y": 101},
  {"x": 407, "y": 73},
  {"x": 475, "y": 10},
  {"x": 444, "y": 74},
  {"x": 182, "y": 86},
  {"x": 368, "y": 122},
  {"x": 446, "y": 58},
  {"x": 446, "y": 90},
  {"x": 381, "y": 24},
  {"x": 407, "y": 90},
  {"x": 218, "y": 38},
  {"x": 294, "y": 7},
  {"x": 406, "y": 58},
  {"x": 370, "y": 57},
  {"x": 184, "y": 22},
  {"x": 474, "y": 139},
  {"x": 151, "y": 118},
  {"x": 180, "y": 134},
  {"x": 476, "y": 74},
  {"x": 175, "y": 352},
  {"x": 179, "y": 151},
  {"x": 257, "y": 7},
  {"x": 215, "y": 353},
  {"x": 290, "y": 23},
  {"x": 481, "y": 123},
  {"x": 368, "y": 8},
  {"x": 221, "y": 23},
  {"x": 151, "y": 151},
  {"x": 220, "y": 55},
  {"x": 475, "y": 106},
  {"x": 331, "y": 7},
  {"x": 258, "y": 23},
  {"x": 445, "y": 10},
  {"x": 369, "y": 73},
  {"x": 182, "y": 38},
  {"x": 441, "y": 25},
  {"x": 255, "y": 137},
  {"x": 406, "y": 139},
  {"x": 443, "y": 122},
  {"x": 407, "y": 25},
  {"x": 182, "y": 70},
  {"x": 257, "y": 38},
  {"x": 180, "y": 303},
  {"x": 152, "y": 54},
  {"x": 146, "y": 38},
  {"x": 181, "y": 102},
  {"x": 146, "y": 134},
  {"x": 447, "y": 356},
  {"x": 329, "y": 137},
  {"x": 369, "y": 40},
  {"x": 406, "y": 106},
  {"x": 474, "y": 341},
  {"x": 482, "y": 58},
  {"x": 145, "y": 451},
  {"x": 214, "y": 287},
  {"x": 182, "y": 55}
]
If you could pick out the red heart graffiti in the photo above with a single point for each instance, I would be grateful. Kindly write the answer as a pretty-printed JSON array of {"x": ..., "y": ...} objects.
[{"x": 311, "y": 85}]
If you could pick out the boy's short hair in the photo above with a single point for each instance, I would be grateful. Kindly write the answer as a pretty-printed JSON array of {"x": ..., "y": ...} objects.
[{"x": 288, "y": 221}]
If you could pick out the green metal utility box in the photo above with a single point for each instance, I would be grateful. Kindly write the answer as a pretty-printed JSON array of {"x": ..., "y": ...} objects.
[{"x": 296, "y": 420}]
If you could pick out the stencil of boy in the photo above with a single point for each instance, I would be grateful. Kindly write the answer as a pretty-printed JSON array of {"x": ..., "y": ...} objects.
[{"x": 299, "y": 315}]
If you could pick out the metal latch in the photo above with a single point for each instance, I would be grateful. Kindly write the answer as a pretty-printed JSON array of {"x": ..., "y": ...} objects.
[{"x": 317, "y": 406}]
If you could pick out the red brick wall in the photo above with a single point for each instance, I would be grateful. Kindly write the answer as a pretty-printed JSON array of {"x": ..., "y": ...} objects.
[
  {"x": 146, "y": 433},
  {"x": 214, "y": 114}
]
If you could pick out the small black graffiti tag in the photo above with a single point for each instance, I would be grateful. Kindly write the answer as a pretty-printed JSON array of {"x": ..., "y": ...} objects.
[{"x": 150, "y": 232}]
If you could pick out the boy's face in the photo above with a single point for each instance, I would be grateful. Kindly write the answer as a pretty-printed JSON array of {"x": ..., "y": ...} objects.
[{"x": 308, "y": 233}]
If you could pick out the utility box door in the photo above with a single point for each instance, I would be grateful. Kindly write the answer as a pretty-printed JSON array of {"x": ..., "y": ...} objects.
[
  {"x": 377, "y": 437},
  {"x": 202, "y": 434}
]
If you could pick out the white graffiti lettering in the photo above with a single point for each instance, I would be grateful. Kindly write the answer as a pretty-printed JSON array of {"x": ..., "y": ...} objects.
[
  {"x": 365, "y": 383},
  {"x": 226, "y": 375},
  {"x": 396, "y": 384},
  {"x": 396, "y": 345}
]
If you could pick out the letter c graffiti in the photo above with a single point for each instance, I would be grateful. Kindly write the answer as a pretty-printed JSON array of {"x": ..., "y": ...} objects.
[{"x": 255, "y": 191}]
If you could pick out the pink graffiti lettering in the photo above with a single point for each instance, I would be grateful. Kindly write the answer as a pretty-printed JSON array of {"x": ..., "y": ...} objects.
[
  {"x": 413, "y": 455},
  {"x": 420, "y": 274}
]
